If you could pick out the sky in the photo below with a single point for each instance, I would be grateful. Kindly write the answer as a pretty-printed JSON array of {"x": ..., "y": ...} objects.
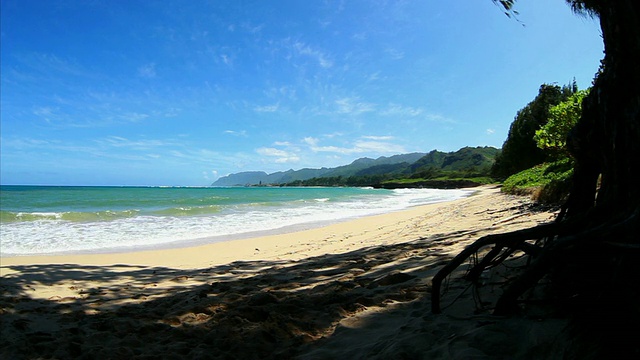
[{"x": 180, "y": 93}]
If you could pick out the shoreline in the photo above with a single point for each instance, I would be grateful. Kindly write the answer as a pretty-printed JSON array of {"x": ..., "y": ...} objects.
[
  {"x": 356, "y": 289},
  {"x": 249, "y": 240},
  {"x": 143, "y": 232}
]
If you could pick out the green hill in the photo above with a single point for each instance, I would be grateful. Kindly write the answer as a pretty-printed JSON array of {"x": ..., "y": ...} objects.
[
  {"x": 284, "y": 177},
  {"x": 466, "y": 163},
  {"x": 471, "y": 159}
]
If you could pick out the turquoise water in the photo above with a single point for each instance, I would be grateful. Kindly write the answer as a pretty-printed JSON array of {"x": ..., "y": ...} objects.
[
  {"x": 27, "y": 203},
  {"x": 50, "y": 219}
]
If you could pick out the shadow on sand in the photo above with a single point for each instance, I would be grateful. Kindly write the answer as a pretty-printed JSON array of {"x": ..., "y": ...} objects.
[
  {"x": 253, "y": 309},
  {"x": 368, "y": 303}
]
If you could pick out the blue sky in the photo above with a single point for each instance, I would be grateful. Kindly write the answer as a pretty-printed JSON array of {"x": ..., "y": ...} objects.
[{"x": 183, "y": 92}]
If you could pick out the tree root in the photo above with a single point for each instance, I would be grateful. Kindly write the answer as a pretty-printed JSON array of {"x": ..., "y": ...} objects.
[{"x": 559, "y": 238}]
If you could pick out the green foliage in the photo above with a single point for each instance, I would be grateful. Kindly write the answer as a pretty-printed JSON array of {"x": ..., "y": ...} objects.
[
  {"x": 366, "y": 166},
  {"x": 383, "y": 169},
  {"x": 562, "y": 118},
  {"x": 550, "y": 182},
  {"x": 468, "y": 163},
  {"x": 466, "y": 160},
  {"x": 363, "y": 180},
  {"x": 446, "y": 177},
  {"x": 520, "y": 151}
]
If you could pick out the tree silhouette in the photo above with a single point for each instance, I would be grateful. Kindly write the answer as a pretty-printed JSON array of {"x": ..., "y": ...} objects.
[{"x": 591, "y": 253}]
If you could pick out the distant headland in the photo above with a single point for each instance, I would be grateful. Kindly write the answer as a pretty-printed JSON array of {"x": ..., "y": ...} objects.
[{"x": 466, "y": 167}]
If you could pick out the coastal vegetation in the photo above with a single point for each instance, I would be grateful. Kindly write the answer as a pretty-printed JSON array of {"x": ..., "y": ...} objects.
[
  {"x": 562, "y": 118},
  {"x": 547, "y": 183},
  {"x": 534, "y": 158},
  {"x": 520, "y": 151}
]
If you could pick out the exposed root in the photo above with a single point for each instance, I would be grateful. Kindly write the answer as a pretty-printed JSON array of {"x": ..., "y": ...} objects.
[{"x": 546, "y": 246}]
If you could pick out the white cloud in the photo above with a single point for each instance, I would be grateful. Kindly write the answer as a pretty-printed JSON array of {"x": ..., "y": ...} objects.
[
  {"x": 45, "y": 112},
  {"x": 226, "y": 59},
  {"x": 324, "y": 23},
  {"x": 170, "y": 112},
  {"x": 271, "y": 152},
  {"x": 325, "y": 63},
  {"x": 27, "y": 143},
  {"x": 379, "y": 147},
  {"x": 212, "y": 176},
  {"x": 51, "y": 64},
  {"x": 280, "y": 156},
  {"x": 332, "y": 135},
  {"x": 310, "y": 141},
  {"x": 134, "y": 116},
  {"x": 371, "y": 137},
  {"x": 242, "y": 133},
  {"x": 395, "y": 54},
  {"x": 254, "y": 29},
  {"x": 287, "y": 92},
  {"x": 333, "y": 149},
  {"x": 267, "y": 108},
  {"x": 439, "y": 118},
  {"x": 373, "y": 77},
  {"x": 398, "y": 110},
  {"x": 359, "y": 36},
  {"x": 318, "y": 55},
  {"x": 368, "y": 144},
  {"x": 147, "y": 71},
  {"x": 490, "y": 131},
  {"x": 121, "y": 142},
  {"x": 353, "y": 106}
]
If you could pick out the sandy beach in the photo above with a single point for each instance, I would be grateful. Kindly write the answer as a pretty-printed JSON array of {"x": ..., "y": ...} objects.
[{"x": 357, "y": 289}]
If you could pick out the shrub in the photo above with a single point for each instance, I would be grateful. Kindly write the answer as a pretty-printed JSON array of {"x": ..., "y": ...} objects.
[{"x": 547, "y": 183}]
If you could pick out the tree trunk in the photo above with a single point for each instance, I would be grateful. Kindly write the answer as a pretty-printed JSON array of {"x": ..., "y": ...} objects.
[
  {"x": 607, "y": 138},
  {"x": 606, "y": 142}
]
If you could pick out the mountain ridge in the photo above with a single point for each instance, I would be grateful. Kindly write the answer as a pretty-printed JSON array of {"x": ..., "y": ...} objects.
[{"x": 409, "y": 163}]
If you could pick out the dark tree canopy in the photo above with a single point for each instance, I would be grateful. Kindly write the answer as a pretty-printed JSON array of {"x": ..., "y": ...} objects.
[
  {"x": 591, "y": 254},
  {"x": 520, "y": 151}
]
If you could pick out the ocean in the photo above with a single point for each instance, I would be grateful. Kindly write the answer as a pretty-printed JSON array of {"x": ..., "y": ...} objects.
[{"x": 38, "y": 220}]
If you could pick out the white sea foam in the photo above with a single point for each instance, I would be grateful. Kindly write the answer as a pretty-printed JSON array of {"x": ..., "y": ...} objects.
[{"x": 51, "y": 235}]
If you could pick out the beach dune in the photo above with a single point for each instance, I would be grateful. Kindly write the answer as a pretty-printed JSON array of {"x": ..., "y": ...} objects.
[{"x": 357, "y": 289}]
